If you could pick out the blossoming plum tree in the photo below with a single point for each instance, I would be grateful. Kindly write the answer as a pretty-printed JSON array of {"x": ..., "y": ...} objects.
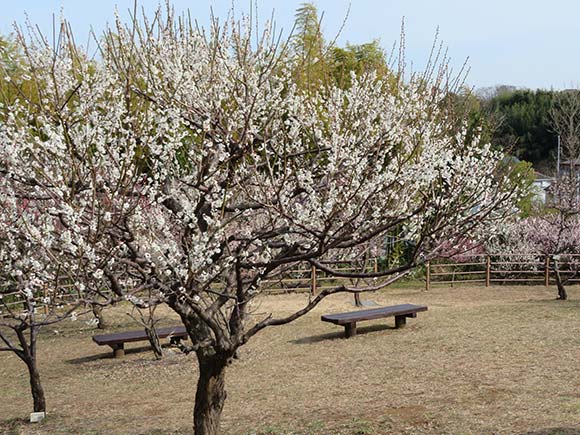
[
  {"x": 552, "y": 232},
  {"x": 187, "y": 164},
  {"x": 29, "y": 300},
  {"x": 23, "y": 313}
]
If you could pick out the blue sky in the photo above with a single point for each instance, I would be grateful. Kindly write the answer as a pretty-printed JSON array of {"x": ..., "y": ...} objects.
[{"x": 531, "y": 43}]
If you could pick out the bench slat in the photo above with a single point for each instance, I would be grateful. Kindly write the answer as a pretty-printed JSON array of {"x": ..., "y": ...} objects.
[
  {"x": 139, "y": 335},
  {"x": 375, "y": 313}
]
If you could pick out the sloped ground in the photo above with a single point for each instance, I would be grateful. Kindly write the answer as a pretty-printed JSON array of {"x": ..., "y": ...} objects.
[{"x": 503, "y": 360}]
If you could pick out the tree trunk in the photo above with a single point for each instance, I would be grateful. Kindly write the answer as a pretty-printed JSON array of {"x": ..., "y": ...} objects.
[
  {"x": 98, "y": 313},
  {"x": 28, "y": 355},
  {"x": 36, "y": 387},
  {"x": 561, "y": 289},
  {"x": 210, "y": 395},
  {"x": 562, "y": 295},
  {"x": 154, "y": 340}
]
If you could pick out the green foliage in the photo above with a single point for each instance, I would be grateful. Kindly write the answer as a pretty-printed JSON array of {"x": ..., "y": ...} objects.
[
  {"x": 468, "y": 111},
  {"x": 19, "y": 86},
  {"x": 523, "y": 123},
  {"x": 522, "y": 174},
  {"x": 308, "y": 38},
  {"x": 316, "y": 61},
  {"x": 8, "y": 66},
  {"x": 358, "y": 59},
  {"x": 308, "y": 47}
]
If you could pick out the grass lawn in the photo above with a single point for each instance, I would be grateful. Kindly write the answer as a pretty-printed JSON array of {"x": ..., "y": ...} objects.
[{"x": 501, "y": 360}]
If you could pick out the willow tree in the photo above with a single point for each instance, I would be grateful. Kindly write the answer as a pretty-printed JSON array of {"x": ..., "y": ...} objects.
[{"x": 186, "y": 163}]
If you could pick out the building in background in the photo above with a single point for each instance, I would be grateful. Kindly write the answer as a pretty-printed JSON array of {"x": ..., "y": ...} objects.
[{"x": 540, "y": 185}]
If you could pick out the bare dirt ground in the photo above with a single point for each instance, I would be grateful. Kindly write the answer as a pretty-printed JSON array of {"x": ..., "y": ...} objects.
[{"x": 502, "y": 360}]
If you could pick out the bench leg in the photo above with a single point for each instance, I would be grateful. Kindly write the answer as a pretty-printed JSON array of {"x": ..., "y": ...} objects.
[
  {"x": 118, "y": 350},
  {"x": 350, "y": 330},
  {"x": 400, "y": 321}
]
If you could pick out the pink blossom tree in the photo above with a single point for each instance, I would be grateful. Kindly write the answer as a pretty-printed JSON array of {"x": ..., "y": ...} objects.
[
  {"x": 187, "y": 164},
  {"x": 553, "y": 232}
]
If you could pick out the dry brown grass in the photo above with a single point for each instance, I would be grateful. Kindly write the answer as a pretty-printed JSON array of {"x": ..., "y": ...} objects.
[{"x": 503, "y": 360}]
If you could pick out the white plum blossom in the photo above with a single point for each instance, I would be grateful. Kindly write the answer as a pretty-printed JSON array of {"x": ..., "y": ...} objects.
[{"x": 98, "y": 273}]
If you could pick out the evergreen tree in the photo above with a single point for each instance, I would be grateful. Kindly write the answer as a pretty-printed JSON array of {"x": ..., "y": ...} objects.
[{"x": 523, "y": 125}]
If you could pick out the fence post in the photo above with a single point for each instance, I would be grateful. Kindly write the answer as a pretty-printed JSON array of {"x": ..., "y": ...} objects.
[
  {"x": 487, "y": 270},
  {"x": 427, "y": 275},
  {"x": 313, "y": 280},
  {"x": 547, "y": 272}
]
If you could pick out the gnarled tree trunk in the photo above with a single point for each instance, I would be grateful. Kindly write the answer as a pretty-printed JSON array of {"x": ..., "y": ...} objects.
[
  {"x": 36, "y": 386},
  {"x": 559, "y": 284},
  {"x": 28, "y": 355},
  {"x": 210, "y": 395}
]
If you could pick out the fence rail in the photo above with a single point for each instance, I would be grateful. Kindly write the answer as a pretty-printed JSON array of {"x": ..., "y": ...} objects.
[
  {"x": 313, "y": 280},
  {"x": 301, "y": 279},
  {"x": 498, "y": 269},
  {"x": 483, "y": 269}
]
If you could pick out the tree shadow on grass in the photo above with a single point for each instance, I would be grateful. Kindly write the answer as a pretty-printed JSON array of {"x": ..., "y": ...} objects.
[
  {"x": 555, "y": 431},
  {"x": 340, "y": 334},
  {"x": 107, "y": 355}
]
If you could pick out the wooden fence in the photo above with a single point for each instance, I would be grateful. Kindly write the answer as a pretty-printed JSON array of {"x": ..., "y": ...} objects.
[
  {"x": 302, "y": 278},
  {"x": 499, "y": 269},
  {"x": 478, "y": 269},
  {"x": 11, "y": 300},
  {"x": 306, "y": 278}
]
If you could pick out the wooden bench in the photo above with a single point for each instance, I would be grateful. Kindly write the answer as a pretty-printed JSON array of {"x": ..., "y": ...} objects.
[
  {"x": 348, "y": 320},
  {"x": 117, "y": 341}
]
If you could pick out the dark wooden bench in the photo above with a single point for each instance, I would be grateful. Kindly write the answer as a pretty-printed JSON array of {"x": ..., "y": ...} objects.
[
  {"x": 349, "y": 320},
  {"x": 117, "y": 341}
]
